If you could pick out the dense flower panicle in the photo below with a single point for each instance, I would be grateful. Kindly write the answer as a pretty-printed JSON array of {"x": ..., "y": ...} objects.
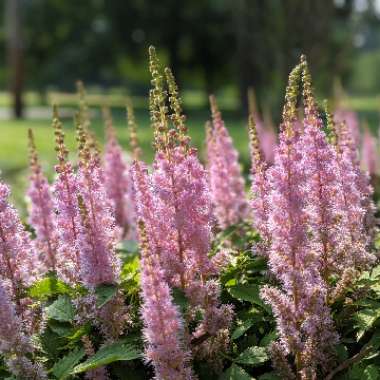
[
  {"x": 226, "y": 180},
  {"x": 14, "y": 344},
  {"x": 19, "y": 264},
  {"x": 116, "y": 176},
  {"x": 370, "y": 153},
  {"x": 65, "y": 192},
  {"x": 350, "y": 118},
  {"x": 42, "y": 217},
  {"x": 303, "y": 319},
  {"x": 98, "y": 233},
  {"x": 259, "y": 184},
  {"x": 163, "y": 327},
  {"x": 183, "y": 212},
  {"x": 323, "y": 192}
]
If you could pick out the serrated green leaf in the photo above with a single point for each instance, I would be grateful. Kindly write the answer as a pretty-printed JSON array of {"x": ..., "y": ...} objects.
[
  {"x": 253, "y": 356},
  {"x": 61, "y": 310},
  {"x": 242, "y": 328},
  {"x": 269, "y": 376},
  {"x": 47, "y": 288},
  {"x": 365, "y": 320},
  {"x": 268, "y": 338},
  {"x": 119, "y": 351},
  {"x": 235, "y": 372},
  {"x": 62, "y": 369},
  {"x": 248, "y": 292},
  {"x": 371, "y": 372},
  {"x": 61, "y": 328},
  {"x": 104, "y": 293}
]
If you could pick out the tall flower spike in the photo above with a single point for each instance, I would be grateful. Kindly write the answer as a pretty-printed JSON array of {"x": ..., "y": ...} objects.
[
  {"x": 323, "y": 190},
  {"x": 42, "y": 217},
  {"x": 132, "y": 128},
  {"x": 65, "y": 191},
  {"x": 163, "y": 327},
  {"x": 303, "y": 320},
  {"x": 97, "y": 235},
  {"x": 226, "y": 181},
  {"x": 19, "y": 263},
  {"x": 370, "y": 153},
  {"x": 259, "y": 187},
  {"x": 15, "y": 346},
  {"x": 116, "y": 179}
]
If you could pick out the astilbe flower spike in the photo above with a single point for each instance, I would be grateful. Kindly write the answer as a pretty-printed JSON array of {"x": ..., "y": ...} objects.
[
  {"x": 97, "y": 234},
  {"x": 303, "y": 320},
  {"x": 15, "y": 345},
  {"x": 116, "y": 178},
  {"x": 42, "y": 217},
  {"x": 226, "y": 181},
  {"x": 66, "y": 205},
  {"x": 370, "y": 153},
  {"x": 259, "y": 186},
  {"x": 323, "y": 191},
  {"x": 163, "y": 327},
  {"x": 19, "y": 263}
]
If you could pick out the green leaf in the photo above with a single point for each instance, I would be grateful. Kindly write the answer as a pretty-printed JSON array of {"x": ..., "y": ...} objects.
[
  {"x": 61, "y": 328},
  {"x": 47, "y": 288},
  {"x": 180, "y": 299},
  {"x": 242, "y": 328},
  {"x": 341, "y": 351},
  {"x": 268, "y": 338},
  {"x": 108, "y": 354},
  {"x": 365, "y": 320},
  {"x": 104, "y": 293},
  {"x": 235, "y": 373},
  {"x": 62, "y": 369},
  {"x": 61, "y": 310},
  {"x": 247, "y": 292},
  {"x": 253, "y": 356},
  {"x": 371, "y": 372},
  {"x": 269, "y": 376}
]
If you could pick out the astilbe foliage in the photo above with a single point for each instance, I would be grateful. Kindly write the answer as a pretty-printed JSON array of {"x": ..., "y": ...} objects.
[
  {"x": 42, "y": 216},
  {"x": 164, "y": 331},
  {"x": 226, "y": 180},
  {"x": 65, "y": 192}
]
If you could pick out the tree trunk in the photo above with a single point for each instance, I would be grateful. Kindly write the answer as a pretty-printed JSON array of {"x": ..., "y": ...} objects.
[{"x": 15, "y": 54}]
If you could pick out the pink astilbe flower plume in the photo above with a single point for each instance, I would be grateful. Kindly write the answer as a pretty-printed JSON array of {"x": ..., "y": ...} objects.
[
  {"x": 323, "y": 191},
  {"x": 42, "y": 217},
  {"x": 370, "y": 153},
  {"x": 66, "y": 205},
  {"x": 116, "y": 175},
  {"x": 163, "y": 327},
  {"x": 19, "y": 263},
  {"x": 226, "y": 180},
  {"x": 303, "y": 320},
  {"x": 15, "y": 345},
  {"x": 97, "y": 234},
  {"x": 259, "y": 187}
]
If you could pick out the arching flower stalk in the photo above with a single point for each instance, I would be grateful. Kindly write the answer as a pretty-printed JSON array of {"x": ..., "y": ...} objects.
[
  {"x": 226, "y": 181},
  {"x": 42, "y": 217},
  {"x": 116, "y": 179},
  {"x": 163, "y": 327},
  {"x": 370, "y": 153},
  {"x": 66, "y": 205}
]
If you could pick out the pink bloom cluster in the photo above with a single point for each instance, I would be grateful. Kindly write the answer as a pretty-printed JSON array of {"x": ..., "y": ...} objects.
[{"x": 226, "y": 181}]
